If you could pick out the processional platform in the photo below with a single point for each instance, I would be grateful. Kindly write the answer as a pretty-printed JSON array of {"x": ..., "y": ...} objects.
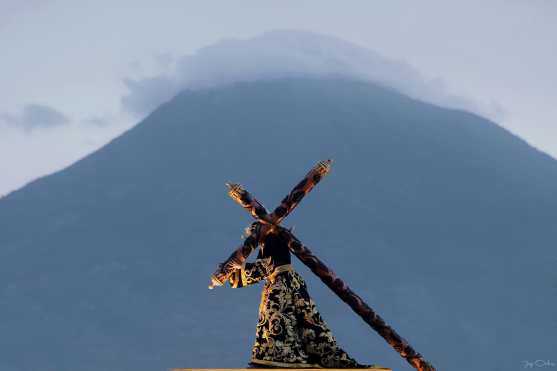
[{"x": 281, "y": 369}]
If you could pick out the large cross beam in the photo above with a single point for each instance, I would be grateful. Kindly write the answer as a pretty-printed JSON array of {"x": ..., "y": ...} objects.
[
  {"x": 265, "y": 221},
  {"x": 270, "y": 222}
]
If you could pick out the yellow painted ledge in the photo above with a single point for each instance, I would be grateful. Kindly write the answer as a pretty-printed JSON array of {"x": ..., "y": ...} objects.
[{"x": 281, "y": 369}]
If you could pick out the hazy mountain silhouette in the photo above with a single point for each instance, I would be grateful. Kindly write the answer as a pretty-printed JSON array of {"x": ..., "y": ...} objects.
[{"x": 442, "y": 221}]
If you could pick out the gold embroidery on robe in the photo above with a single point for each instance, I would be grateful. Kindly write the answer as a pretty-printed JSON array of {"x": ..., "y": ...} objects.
[{"x": 290, "y": 332}]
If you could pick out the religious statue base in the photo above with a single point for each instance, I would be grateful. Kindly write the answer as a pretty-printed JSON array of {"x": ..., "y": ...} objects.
[{"x": 281, "y": 369}]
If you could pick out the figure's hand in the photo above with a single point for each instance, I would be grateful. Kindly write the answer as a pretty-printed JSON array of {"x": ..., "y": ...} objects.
[
  {"x": 237, "y": 265},
  {"x": 215, "y": 279},
  {"x": 214, "y": 283}
]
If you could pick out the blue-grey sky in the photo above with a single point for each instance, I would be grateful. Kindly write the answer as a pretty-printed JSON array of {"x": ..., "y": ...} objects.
[{"x": 75, "y": 74}]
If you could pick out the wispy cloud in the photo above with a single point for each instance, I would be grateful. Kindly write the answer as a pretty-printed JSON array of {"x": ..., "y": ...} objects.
[
  {"x": 283, "y": 54},
  {"x": 98, "y": 121},
  {"x": 34, "y": 116}
]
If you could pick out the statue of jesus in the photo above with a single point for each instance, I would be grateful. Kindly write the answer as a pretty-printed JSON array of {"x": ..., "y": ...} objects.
[{"x": 290, "y": 332}]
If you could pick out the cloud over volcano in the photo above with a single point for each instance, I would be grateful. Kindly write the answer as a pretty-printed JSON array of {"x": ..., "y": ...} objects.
[{"x": 285, "y": 54}]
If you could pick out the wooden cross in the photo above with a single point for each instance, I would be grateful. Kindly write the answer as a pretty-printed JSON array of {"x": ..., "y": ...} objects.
[{"x": 267, "y": 223}]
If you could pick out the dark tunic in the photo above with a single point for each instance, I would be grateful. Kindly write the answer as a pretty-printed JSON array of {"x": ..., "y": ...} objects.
[{"x": 290, "y": 331}]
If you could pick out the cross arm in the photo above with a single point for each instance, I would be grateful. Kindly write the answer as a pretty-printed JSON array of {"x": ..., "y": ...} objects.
[
  {"x": 248, "y": 202},
  {"x": 301, "y": 189},
  {"x": 288, "y": 203}
]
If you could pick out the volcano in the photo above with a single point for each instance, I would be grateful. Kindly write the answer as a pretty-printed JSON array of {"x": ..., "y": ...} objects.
[{"x": 444, "y": 222}]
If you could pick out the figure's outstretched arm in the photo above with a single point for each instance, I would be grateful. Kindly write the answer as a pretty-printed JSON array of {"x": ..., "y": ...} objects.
[
  {"x": 238, "y": 258},
  {"x": 251, "y": 273}
]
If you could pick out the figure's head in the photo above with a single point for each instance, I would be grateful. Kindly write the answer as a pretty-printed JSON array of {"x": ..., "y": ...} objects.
[
  {"x": 252, "y": 229},
  {"x": 276, "y": 235},
  {"x": 259, "y": 230}
]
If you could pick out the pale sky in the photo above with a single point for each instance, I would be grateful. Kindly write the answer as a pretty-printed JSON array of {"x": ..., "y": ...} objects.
[{"x": 68, "y": 68}]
